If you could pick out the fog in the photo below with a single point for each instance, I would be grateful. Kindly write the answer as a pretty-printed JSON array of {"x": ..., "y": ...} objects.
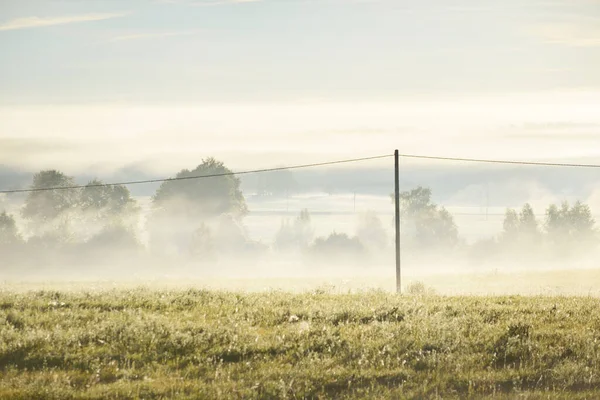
[{"x": 291, "y": 235}]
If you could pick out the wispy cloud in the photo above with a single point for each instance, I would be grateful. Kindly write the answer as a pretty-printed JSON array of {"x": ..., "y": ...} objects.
[
  {"x": 155, "y": 35},
  {"x": 38, "y": 22},
  {"x": 583, "y": 33}
]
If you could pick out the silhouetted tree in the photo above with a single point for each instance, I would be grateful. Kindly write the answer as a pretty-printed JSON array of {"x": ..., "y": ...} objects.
[
  {"x": 102, "y": 207},
  {"x": 112, "y": 199},
  {"x": 45, "y": 205},
  {"x": 337, "y": 248},
  {"x": 179, "y": 207},
  {"x": 9, "y": 233},
  {"x": 568, "y": 225},
  {"x": 528, "y": 224},
  {"x": 510, "y": 225},
  {"x": 49, "y": 213},
  {"x": 428, "y": 224},
  {"x": 114, "y": 237},
  {"x": 521, "y": 229},
  {"x": 12, "y": 249},
  {"x": 202, "y": 198}
]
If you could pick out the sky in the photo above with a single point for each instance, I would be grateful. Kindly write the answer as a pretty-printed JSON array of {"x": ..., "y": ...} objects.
[{"x": 99, "y": 85}]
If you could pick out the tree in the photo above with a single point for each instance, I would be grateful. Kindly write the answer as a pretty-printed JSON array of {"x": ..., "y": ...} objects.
[
  {"x": 114, "y": 199},
  {"x": 55, "y": 236},
  {"x": 48, "y": 212},
  {"x": 510, "y": 224},
  {"x": 202, "y": 198},
  {"x": 102, "y": 206},
  {"x": 521, "y": 231},
  {"x": 230, "y": 235},
  {"x": 528, "y": 224},
  {"x": 11, "y": 242},
  {"x": 567, "y": 225},
  {"x": 231, "y": 240},
  {"x": 566, "y": 228},
  {"x": 9, "y": 234},
  {"x": 304, "y": 229},
  {"x": 443, "y": 228},
  {"x": 337, "y": 248},
  {"x": 114, "y": 237},
  {"x": 428, "y": 224},
  {"x": 179, "y": 207},
  {"x": 416, "y": 201},
  {"x": 45, "y": 205},
  {"x": 581, "y": 221}
]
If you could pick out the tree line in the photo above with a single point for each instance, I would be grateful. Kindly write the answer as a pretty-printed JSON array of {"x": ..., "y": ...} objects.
[
  {"x": 188, "y": 218},
  {"x": 202, "y": 219}
]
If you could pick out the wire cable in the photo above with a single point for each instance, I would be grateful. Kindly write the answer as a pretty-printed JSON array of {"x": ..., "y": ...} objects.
[
  {"x": 490, "y": 161},
  {"x": 197, "y": 176},
  {"x": 415, "y": 156}
]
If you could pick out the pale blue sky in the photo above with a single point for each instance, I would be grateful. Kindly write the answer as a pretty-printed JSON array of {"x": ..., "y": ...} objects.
[
  {"x": 81, "y": 75},
  {"x": 288, "y": 49}
]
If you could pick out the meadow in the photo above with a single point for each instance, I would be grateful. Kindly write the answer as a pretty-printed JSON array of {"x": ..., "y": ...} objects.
[{"x": 195, "y": 343}]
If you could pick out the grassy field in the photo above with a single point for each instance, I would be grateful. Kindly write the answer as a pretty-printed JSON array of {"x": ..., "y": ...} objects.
[{"x": 215, "y": 344}]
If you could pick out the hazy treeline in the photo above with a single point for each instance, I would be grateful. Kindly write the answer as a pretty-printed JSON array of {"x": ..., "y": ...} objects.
[
  {"x": 566, "y": 232},
  {"x": 201, "y": 221},
  {"x": 198, "y": 221}
]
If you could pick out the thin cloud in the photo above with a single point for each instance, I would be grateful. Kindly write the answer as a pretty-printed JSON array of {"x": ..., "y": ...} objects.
[
  {"x": 38, "y": 22},
  {"x": 581, "y": 34},
  {"x": 141, "y": 36}
]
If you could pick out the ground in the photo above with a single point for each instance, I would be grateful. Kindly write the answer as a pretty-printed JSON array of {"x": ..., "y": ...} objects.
[{"x": 192, "y": 343}]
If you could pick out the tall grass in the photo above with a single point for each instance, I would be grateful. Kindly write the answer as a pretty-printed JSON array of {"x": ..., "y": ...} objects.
[{"x": 214, "y": 344}]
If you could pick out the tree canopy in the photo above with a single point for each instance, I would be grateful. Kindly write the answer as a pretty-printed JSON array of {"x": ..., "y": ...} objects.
[
  {"x": 521, "y": 229},
  {"x": 202, "y": 198},
  {"x": 569, "y": 223},
  {"x": 427, "y": 223},
  {"x": 45, "y": 205},
  {"x": 112, "y": 198}
]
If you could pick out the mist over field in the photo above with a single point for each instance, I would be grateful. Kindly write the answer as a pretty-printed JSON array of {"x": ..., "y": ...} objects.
[{"x": 465, "y": 229}]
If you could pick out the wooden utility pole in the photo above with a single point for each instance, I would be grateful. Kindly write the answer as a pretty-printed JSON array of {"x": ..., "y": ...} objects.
[{"x": 397, "y": 216}]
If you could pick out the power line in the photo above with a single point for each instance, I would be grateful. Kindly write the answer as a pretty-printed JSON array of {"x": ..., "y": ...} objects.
[
  {"x": 198, "y": 176},
  {"x": 491, "y": 161},
  {"x": 477, "y": 160}
]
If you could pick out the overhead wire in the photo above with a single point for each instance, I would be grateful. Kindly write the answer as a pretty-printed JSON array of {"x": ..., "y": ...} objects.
[
  {"x": 159, "y": 180},
  {"x": 493, "y": 161},
  {"x": 414, "y": 156}
]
